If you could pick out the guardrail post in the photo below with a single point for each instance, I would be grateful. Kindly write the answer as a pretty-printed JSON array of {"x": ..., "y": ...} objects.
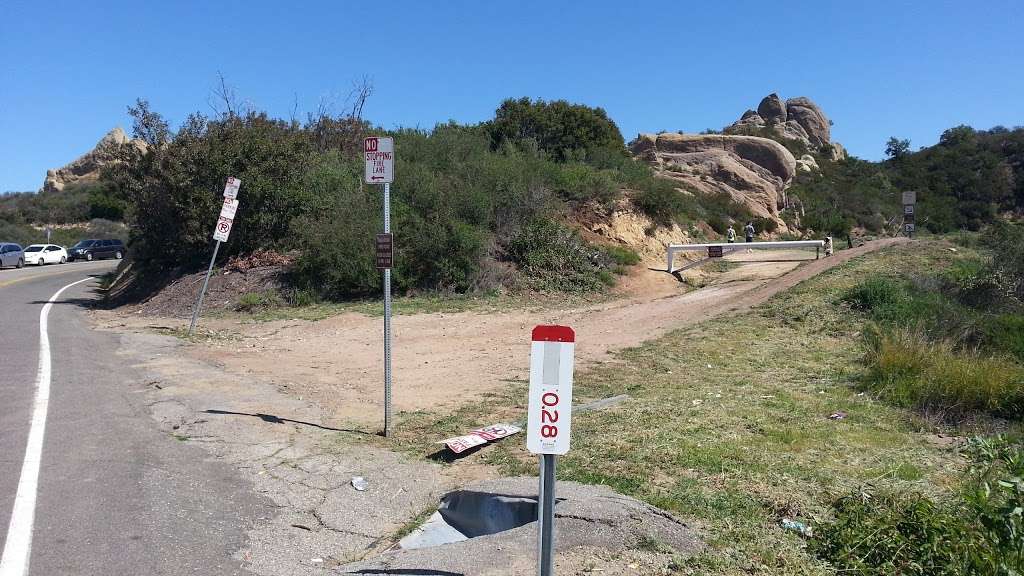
[{"x": 670, "y": 259}]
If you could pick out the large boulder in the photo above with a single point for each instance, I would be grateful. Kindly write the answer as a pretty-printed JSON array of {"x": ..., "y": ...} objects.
[
  {"x": 752, "y": 171},
  {"x": 761, "y": 151},
  {"x": 797, "y": 119},
  {"x": 811, "y": 119},
  {"x": 772, "y": 109},
  {"x": 87, "y": 168}
]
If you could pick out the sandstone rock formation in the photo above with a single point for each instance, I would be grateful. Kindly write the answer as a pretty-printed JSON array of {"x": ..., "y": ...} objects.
[
  {"x": 798, "y": 119},
  {"x": 772, "y": 109},
  {"x": 87, "y": 168},
  {"x": 752, "y": 171}
]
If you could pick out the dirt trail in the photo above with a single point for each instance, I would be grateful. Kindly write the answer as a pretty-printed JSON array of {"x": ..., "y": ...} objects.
[{"x": 443, "y": 360}]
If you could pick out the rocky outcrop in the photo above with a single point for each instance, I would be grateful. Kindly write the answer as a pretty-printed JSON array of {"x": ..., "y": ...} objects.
[
  {"x": 810, "y": 117},
  {"x": 752, "y": 171},
  {"x": 807, "y": 163},
  {"x": 772, "y": 109},
  {"x": 797, "y": 119},
  {"x": 87, "y": 168}
]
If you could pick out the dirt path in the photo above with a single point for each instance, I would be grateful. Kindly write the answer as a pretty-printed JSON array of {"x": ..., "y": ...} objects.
[{"x": 443, "y": 360}]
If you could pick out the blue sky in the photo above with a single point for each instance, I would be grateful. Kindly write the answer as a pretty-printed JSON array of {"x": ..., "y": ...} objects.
[{"x": 68, "y": 70}]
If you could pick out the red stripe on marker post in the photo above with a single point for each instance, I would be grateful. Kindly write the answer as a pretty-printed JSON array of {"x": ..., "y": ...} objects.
[{"x": 553, "y": 334}]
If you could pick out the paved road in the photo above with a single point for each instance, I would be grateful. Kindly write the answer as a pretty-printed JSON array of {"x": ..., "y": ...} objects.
[{"x": 115, "y": 495}]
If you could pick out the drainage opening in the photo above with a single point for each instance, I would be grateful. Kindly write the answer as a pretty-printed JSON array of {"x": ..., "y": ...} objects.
[{"x": 465, "y": 514}]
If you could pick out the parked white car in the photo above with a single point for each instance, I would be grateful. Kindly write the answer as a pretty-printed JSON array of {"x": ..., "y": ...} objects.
[{"x": 40, "y": 254}]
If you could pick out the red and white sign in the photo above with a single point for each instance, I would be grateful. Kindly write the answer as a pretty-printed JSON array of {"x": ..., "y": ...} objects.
[
  {"x": 550, "y": 411},
  {"x": 480, "y": 436},
  {"x": 231, "y": 188},
  {"x": 223, "y": 228},
  {"x": 229, "y": 208},
  {"x": 379, "y": 153}
]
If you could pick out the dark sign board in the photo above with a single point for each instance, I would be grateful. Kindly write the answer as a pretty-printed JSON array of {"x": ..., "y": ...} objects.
[
  {"x": 714, "y": 251},
  {"x": 385, "y": 251}
]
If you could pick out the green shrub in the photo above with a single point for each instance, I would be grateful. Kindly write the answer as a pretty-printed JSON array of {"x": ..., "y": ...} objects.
[
  {"x": 718, "y": 224},
  {"x": 766, "y": 225},
  {"x": 875, "y": 294},
  {"x": 665, "y": 205},
  {"x": 907, "y": 369},
  {"x": 979, "y": 534},
  {"x": 887, "y": 534},
  {"x": 1005, "y": 333},
  {"x": 622, "y": 255},
  {"x": 580, "y": 182},
  {"x": 254, "y": 301},
  {"x": 554, "y": 257},
  {"x": 563, "y": 130}
]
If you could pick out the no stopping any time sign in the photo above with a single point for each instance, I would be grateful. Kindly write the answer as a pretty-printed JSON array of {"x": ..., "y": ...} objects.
[{"x": 550, "y": 409}]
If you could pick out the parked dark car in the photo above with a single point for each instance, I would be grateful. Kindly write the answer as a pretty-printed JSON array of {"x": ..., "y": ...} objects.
[
  {"x": 11, "y": 255},
  {"x": 97, "y": 249}
]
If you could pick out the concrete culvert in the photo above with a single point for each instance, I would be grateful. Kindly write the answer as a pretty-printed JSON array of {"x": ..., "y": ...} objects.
[
  {"x": 481, "y": 513},
  {"x": 489, "y": 528}
]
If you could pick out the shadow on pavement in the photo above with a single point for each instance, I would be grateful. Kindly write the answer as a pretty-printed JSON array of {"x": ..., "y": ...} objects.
[{"x": 270, "y": 418}]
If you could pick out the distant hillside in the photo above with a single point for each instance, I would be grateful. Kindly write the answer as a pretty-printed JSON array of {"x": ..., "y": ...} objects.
[{"x": 964, "y": 182}]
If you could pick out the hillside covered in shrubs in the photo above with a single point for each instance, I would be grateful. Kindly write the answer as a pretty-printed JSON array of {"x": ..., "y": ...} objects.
[
  {"x": 478, "y": 207},
  {"x": 964, "y": 182}
]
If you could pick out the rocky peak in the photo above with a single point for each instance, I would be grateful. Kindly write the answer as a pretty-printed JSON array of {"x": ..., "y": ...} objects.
[
  {"x": 87, "y": 167},
  {"x": 798, "y": 119},
  {"x": 772, "y": 110}
]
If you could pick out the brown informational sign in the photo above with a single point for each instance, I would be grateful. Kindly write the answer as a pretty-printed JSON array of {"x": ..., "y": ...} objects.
[
  {"x": 385, "y": 251},
  {"x": 714, "y": 251},
  {"x": 908, "y": 218}
]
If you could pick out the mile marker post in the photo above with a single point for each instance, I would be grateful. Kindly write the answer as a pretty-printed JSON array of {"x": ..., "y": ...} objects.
[
  {"x": 220, "y": 234},
  {"x": 548, "y": 424},
  {"x": 379, "y": 154}
]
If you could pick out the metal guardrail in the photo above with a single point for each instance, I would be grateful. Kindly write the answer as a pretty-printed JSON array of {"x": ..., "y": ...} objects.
[{"x": 722, "y": 247}]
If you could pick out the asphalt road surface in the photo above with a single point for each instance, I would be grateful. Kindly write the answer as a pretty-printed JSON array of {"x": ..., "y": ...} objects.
[{"x": 114, "y": 495}]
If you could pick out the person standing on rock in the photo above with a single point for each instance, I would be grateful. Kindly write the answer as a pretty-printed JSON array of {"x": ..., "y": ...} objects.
[
  {"x": 730, "y": 234},
  {"x": 748, "y": 230}
]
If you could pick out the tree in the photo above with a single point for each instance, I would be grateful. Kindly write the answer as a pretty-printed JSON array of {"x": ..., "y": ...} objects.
[
  {"x": 148, "y": 126},
  {"x": 563, "y": 130},
  {"x": 896, "y": 149}
]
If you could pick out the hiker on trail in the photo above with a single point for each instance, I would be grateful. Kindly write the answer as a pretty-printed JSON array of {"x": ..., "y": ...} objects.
[
  {"x": 748, "y": 230},
  {"x": 828, "y": 246},
  {"x": 730, "y": 234}
]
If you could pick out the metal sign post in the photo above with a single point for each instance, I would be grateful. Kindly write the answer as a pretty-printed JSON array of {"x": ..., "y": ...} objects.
[
  {"x": 548, "y": 424},
  {"x": 379, "y": 154},
  {"x": 909, "y": 201},
  {"x": 220, "y": 234}
]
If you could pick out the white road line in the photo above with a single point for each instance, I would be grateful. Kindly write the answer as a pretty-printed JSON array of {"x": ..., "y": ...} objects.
[{"x": 18, "y": 547}]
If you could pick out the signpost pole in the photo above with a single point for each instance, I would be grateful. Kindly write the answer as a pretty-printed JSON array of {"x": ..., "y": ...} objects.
[
  {"x": 220, "y": 234},
  {"x": 202, "y": 293},
  {"x": 387, "y": 318},
  {"x": 546, "y": 516}
]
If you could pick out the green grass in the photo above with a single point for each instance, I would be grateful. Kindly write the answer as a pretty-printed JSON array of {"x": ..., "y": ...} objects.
[{"x": 728, "y": 423}]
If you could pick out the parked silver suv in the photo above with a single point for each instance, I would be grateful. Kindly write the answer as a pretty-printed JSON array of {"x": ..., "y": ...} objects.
[{"x": 11, "y": 255}]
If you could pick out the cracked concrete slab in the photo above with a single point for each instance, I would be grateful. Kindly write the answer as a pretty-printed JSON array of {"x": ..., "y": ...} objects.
[
  {"x": 280, "y": 444},
  {"x": 587, "y": 518}
]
